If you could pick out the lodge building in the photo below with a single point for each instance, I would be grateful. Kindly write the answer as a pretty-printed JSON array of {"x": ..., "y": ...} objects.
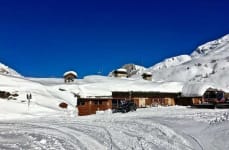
[{"x": 142, "y": 99}]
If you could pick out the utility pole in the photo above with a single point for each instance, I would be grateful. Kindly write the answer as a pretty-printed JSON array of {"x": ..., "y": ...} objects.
[
  {"x": 130, "y": 95},
  {"x": 100, "y": 72}
]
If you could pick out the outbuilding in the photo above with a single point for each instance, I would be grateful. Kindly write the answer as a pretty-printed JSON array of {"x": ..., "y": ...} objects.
[
  {"x": 120, "y": 73},
  {"x": 70, "y": 76},
  {"x": 198, "y": 93},
  {"x": 147, "y": 76}
]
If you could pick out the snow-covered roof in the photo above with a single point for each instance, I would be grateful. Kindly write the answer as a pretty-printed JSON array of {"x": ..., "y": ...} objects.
[
  {"x": 103, "y": 86},
  {"x": 147, "y": 73},
  {"x": 195, "y": 89},
  {"x": 121, "y": 70},
  {"x": 71, "y": 72}
]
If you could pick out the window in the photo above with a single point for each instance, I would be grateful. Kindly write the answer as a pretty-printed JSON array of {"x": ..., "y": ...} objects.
[
  {"x": 98, "y": 102},
  {"x": 80, "y": 103},
  {"x": 210, "y": 94},
  {"x": 219, "y": 95}
]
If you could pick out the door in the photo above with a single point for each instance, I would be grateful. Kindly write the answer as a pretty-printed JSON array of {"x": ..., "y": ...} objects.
[{"x": 142, "y": 102}]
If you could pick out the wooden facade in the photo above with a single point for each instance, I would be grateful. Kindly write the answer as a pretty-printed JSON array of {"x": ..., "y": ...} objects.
[
  {"x": 69, "y": 78},
  {"x": 188, "y": 101},
  {"x": 120, "y": 73},
  {"x": 88, "y": 106},
  {"x": 197, "y": 100},
  {"x": 147, "y": 99}
]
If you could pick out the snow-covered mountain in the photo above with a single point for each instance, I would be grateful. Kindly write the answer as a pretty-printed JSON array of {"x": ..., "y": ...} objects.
[
  {"x": 171, "y": 62},
  {"x": 8, "y": 71},
  {"x": 215, "y": 46},
  {"x": 209, "y": 64}
]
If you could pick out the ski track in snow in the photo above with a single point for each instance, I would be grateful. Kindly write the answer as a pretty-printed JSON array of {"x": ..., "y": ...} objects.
[
  {"x": 120, "y": 134},
  {"x": 174, "y": 128}
]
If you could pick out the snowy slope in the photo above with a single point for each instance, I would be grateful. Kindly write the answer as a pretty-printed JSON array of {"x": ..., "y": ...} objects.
[
  {"x": 215, "y": 46},
  {"x": 208, "y": 64},
  {"x": 170, "y": 62},
  {"x": 45, "y": 99},
  {"x": 8, "y": 71}
]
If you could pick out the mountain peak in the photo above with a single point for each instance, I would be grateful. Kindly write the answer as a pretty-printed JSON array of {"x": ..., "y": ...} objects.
[{"x": 210, "y": 47}]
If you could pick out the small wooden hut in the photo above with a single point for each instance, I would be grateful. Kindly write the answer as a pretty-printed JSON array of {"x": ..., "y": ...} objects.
[
  {"x": 120, "y": 73},
  {"x": 147, "y": 76},
  {"x": 201, "y": 96},
  {"x": 70, "y": 76}
]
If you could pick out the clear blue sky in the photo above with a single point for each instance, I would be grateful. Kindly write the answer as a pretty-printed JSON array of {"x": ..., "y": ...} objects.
[{"x": 46, "y": 38}]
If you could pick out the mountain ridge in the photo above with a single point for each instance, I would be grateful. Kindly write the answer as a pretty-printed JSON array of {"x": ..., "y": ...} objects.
[{"x": 207, "y": 61}]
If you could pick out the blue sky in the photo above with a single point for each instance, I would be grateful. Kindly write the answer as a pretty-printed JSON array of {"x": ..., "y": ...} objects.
[{"x": 46, "y": 38}]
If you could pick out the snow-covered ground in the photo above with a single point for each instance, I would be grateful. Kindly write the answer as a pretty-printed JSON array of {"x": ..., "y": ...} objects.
[{"x": 159, "y": 128}]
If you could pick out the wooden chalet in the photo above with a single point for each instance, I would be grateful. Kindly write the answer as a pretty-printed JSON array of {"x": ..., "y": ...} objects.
[
  {"x": 147, "y": 99},
  {"x": 90, "y": 105}
]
